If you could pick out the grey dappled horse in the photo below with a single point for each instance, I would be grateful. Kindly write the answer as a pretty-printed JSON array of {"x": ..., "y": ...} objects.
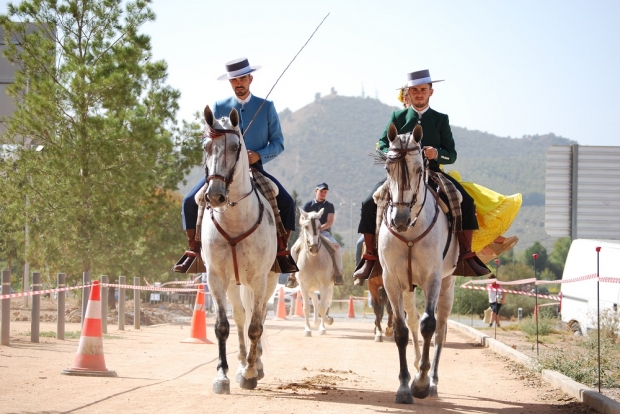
[
  {"x": 238, "y": 248},
  {"x": 316, "y": 270},
  {"x": 412, "y": 238}
]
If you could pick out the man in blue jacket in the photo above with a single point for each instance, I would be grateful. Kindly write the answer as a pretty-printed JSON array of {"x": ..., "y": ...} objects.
[{"x": 264, "y": 142}]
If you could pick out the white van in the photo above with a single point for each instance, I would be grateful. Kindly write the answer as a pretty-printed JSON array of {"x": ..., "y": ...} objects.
[{"x": 579, "y": 298}]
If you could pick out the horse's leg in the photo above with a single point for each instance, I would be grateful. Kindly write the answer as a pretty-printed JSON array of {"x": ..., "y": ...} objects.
[
  {"x": 444, "y": 307},
  {"x": 254, "y": 299},
  {"x": 272, "y": 281},
  {"x": 234, "y": 295},
  {"x": 377, "y": 307},
  {"x": 306, "y": 302},
  {"x": 413, "y": 324},
  {"x": 315, "y": 303},
  {"x": 326, "y": 298},
  {"x": 389, "y": 331},
  {"x": 401, "y": 337},
  {"x": 421, "y": 382},
  {"x": 221, "y": 383}
]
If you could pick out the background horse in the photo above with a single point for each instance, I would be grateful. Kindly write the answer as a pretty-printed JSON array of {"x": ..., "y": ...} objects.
[
  {"x": 378, "y": 297},
  {"x": 316, "y": 270},
  {"x": 412, "y": 238},
  {"x": 238, "y": 248},
  {"x": 379, "y": 300}
]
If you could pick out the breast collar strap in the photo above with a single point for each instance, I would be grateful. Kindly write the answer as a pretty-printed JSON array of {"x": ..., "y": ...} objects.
[{"x": 233, "y": 241}]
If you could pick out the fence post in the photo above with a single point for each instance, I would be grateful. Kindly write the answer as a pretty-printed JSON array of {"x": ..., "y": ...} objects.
[
  {"x": 85, "y": 293},
  {"x": 121, "y": 303},
  {"x": 6, "y": 308},
  {"x": 104, "y": 304},
  {"x": 136, "y": 304},
  {"x": 60, "y": 313},
  {"x": 35, "y": 314}
]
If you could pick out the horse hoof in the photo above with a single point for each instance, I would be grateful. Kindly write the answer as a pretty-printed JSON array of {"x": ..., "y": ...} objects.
[
  {"x": 308, "y": 334},
  {"x": 403, "y": 397},
  {"x": 261, "y": 374},
  {"x": 389, "y": 332},
  {"x": 221, "y": 386},
  {"x": 420, "y": 393},
  {"x": 322, "y": 331},
  {"x": 248, "y": 384},
  {"x": 330, "y": 320},
  {"x": 433, "y": 391},
  {"x": 378, "y": 338}
]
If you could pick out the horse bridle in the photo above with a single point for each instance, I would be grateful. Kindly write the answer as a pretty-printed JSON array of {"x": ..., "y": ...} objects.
[
  {"x": 215, "y": 133},
  {"x": 314, "y": 233}
]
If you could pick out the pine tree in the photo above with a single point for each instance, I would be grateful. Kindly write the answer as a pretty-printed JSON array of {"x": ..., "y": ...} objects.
[{"x": 101, "y": 194}]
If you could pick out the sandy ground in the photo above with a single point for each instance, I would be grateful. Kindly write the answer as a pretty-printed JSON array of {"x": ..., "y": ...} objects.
[{"x": 344, "y": 371}]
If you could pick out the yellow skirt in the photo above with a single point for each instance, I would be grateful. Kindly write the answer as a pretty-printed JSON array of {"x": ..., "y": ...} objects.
[{"x": 495, "y": 212}]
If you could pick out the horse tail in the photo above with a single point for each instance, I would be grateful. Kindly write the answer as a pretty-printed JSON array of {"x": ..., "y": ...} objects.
[
  {"x": 383, "y": 296},
  {"x": 247, "y": 299}
]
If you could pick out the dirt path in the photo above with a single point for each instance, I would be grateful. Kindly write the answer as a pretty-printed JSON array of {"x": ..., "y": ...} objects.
[{"x": 342, "y": 372}]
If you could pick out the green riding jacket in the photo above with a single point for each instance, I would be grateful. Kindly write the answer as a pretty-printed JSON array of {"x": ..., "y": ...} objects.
[{"x": 436, "y": 133}]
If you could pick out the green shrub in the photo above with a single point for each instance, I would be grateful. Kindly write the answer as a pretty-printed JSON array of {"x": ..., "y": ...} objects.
[
  {"x": 545, "y": 326},
  {"x": 583, "y": 366}
]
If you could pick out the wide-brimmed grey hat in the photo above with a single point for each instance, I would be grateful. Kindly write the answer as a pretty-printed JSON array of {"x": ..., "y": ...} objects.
[
  {"x": 237, "y": 68},
  {"x": 420, "y": 77}
]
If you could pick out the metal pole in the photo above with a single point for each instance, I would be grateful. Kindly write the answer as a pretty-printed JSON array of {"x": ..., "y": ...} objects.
[
  {"x": 35, "y": 314},
  {"x": 6, "y": 308},
  {"x": 535, "y": 256},
  {"x": 60, "y": 314},
  {"x": 121, "y": 304},
  {"x": 104, "y": 304},
  {"x": 85, "y": 293},
  {"x": 497, "y": 277},
  {"x": 136, "y": 304},
  {"x": 598, "y": 318},
  {"x": 471, "y": 306}
]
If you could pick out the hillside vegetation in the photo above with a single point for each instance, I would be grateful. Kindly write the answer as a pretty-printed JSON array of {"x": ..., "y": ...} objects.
[{"x": 331, "y": 138}]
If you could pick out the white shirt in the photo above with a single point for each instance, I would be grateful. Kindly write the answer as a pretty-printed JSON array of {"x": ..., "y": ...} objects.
[
  {"x": 420, "y": 113},
  {"x": 244, "y": 101}
]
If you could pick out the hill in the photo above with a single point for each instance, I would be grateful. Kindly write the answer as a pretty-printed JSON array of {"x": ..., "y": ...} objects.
[{"x": 331, "y": 138}]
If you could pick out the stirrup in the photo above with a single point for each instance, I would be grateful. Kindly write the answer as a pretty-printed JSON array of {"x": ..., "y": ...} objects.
[{"x": 365, "y": 266}]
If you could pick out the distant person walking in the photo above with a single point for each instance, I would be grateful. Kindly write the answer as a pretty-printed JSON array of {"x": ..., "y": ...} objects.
[{"x": 496, "y": 300}]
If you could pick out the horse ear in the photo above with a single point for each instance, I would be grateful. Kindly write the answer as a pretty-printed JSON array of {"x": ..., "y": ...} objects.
[
  {"x": 321, "y": 212},
  {"x": 234, "y": 117},
  {"x": 208, "y": 116},
  {"x": 417, "y": 133},
  {"x": 302, "y": 212},
  {"x": 392, "y": 132}
]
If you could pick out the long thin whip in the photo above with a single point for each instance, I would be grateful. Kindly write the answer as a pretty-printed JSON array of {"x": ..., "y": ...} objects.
[{"x": 285, "y": 69}]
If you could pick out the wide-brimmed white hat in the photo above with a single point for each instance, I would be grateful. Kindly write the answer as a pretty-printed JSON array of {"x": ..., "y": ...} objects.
[
  {"x": 420, "y": 77},
  {"x": 237, "y": 68}
]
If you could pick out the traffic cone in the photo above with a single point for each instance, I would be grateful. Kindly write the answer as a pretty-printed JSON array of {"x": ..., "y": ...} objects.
[
  {"x": 89, "y": 360},
  {"x": 198, "y": 331},
  {"x": 299, "y": 307},
  {"x": 351, "y": 313},
  {"x": 281, "y": 311}
]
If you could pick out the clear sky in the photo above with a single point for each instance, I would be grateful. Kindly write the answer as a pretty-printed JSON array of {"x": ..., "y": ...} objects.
[{"x": 510, "y": 68}]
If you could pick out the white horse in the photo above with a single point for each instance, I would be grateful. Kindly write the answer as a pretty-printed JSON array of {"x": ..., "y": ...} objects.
[
  {"x": 416, "y": 249},
  {"x": 316, "y": 270},
  {"x": 238, "y": 248}
]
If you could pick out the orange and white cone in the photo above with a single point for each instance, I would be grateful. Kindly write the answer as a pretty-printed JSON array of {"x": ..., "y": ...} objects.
[
  {"x": 198, "y": 331},
  {"x": 281, "y": 310},
  {"x": 351, "y": 313},
  {"x": 299, "y": 308},
  {"x": 89, "y": 360}
]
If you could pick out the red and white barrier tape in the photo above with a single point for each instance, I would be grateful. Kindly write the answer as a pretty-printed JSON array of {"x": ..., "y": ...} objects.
[
  {"x": 132, "y": 287},
  {"x": 516, "y": 292}
]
